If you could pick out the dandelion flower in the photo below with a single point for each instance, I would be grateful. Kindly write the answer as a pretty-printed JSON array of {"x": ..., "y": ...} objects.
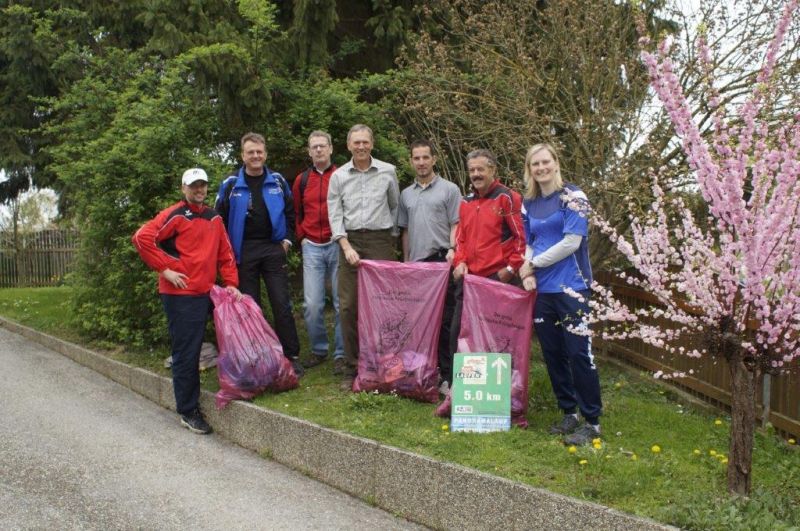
[
  {"x": 712, "y": 453},
  {"x": 572, "y": 449},
  {"x": 597, "y": 445},
  {"x": 724, "y": 461},
  {"x": 445, "y": 427},
  {"x": 656, "y": 449},
  {"x": 583, "y": 462},
  {"x": 792, "y": 441},
  {"x": 634, "y": 457},
  {"x": 696, "y": 451},
  {"x": 717, "y": 422}
]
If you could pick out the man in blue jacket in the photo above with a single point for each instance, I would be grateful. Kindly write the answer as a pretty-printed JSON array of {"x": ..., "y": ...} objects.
[{"x": 257, "y": 209}]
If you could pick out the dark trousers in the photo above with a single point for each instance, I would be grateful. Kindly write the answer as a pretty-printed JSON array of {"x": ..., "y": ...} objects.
[
  {"x": 186, "y": 317},
  {"x": 568, "y": 356},
  {"x": 267, "y": 260},
  {"x": 445, "y": 351},
  {"x": 370, "y": 245}
]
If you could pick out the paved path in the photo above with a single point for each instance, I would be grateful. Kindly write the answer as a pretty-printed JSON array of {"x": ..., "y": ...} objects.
[{"x": 80, "y": 451}]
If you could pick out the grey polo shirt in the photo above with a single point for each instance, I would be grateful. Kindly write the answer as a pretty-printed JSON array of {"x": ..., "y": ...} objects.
[
  {"x": 363, "y": 200},
  {"x": 428, "y": 213}
]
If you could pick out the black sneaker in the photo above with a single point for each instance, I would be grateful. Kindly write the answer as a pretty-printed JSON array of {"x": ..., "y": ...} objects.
[
  {"x": 583, "y": 435},
  {"x": 567, "y": 425},
  {"x": 298, "y": 367},
  {"x": 314, "y": 360},
  {"x": 339, "y": 366},
  {"x": 196, "y": 423}
]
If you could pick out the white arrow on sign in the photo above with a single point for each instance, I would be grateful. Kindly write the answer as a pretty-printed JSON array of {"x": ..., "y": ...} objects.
[{"x": 500, "y": 364}]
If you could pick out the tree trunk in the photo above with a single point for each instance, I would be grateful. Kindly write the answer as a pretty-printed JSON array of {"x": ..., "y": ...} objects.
[{"x": 743, "y": 419}]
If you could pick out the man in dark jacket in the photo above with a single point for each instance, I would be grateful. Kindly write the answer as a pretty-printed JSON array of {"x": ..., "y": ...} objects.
[{"x": 256, "y": 206}]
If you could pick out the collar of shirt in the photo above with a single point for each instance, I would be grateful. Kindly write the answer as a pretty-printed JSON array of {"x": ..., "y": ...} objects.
[
  {"x": 418, "y": 184},
  {"x": 323, "y": 172},
  {"x": 374, "y": 164}
]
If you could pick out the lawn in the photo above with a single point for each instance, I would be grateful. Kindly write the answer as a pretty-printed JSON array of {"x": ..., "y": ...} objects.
[{"x": 661, "y": 455}]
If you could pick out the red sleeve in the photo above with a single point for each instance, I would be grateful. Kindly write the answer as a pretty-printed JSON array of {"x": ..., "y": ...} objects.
[
  {"x": 514, "y": 247},
  {"x": 460, "y": 254},
  {"x": 226, "y": 261},
  {"x": 298, "y": 211},
  {"x": 146, "y": 241}
]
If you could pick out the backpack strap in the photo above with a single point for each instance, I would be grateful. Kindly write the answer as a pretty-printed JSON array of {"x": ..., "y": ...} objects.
[{"x": 303, "y": 184}]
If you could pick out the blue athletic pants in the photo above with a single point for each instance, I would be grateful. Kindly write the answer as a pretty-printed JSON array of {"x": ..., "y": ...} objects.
[{"x": 568, "y": 356}]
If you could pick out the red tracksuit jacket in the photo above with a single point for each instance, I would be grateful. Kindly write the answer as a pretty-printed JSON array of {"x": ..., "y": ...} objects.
[
  {"x": 189, "y": 239},
  {"x": 313, "y": 222},
  {"x": 490, "y": 235}
]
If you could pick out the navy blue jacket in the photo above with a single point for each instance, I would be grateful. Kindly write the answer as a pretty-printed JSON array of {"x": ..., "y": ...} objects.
[{"x": 234, "y": 196}]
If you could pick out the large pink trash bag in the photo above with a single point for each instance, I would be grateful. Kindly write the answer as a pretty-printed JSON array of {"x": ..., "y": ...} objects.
[
  {"x": 399, "y": 317},
  {"x": 251, "y": 358},
  {"x": 498, "y": 317}
]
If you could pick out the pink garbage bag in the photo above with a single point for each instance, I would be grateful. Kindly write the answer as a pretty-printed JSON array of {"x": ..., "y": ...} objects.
[
  {"x": 498, "y": 317},
  {"x": 251, "y": 358},
  {"x": 399, "y": 317}
]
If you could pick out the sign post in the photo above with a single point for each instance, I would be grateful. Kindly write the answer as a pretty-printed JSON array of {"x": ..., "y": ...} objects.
[{"x": 481, "y": 393}]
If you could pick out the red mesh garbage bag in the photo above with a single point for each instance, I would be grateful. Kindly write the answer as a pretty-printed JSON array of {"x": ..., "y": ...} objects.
[
  {"x": 251, "y": 358},
  {"x": 498, "y": 317},
  {"x": 399, "y": 317}
]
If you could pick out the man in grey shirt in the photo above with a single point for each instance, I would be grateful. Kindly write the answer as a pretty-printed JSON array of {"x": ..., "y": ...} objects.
[
  {"x": 362, "y": 208},
  {"x": 428, "y": 215}
]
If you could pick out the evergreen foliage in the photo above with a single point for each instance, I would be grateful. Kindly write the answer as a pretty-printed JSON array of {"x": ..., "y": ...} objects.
[{"x": 178, "y": 93}]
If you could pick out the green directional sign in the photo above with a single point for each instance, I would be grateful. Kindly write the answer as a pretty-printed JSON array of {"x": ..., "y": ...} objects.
[{"x": 481, "y": 392}]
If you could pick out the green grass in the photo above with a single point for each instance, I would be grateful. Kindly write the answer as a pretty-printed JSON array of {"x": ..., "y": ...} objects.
[{"x": 675, "y": 486}]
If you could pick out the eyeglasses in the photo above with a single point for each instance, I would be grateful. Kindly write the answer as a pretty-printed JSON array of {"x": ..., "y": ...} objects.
[{"x": 317, "y": 147}]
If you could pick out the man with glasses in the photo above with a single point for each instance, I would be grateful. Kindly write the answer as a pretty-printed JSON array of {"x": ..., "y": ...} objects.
[{"x": 320, "y": 252}]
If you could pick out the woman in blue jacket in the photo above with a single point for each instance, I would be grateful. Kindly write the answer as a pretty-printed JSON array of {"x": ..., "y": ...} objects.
[{"x": 556, "y": 230}]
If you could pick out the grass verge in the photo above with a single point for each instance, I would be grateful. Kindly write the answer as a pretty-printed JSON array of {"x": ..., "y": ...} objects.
[{"x": 660, "y": 456}]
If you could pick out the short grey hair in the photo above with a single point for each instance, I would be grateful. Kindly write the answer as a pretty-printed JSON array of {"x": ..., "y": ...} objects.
[
  {"x": 360, "y": 127},
  {"x": 322, "y": 134},
  {"x": 488, "y": 155}
]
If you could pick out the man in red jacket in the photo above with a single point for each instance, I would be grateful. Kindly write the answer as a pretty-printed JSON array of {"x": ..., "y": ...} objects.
[
  {"x": 187, "y": 244},
  {"x": 490, "y": 241},
  {"x": 320, "y": 252}
]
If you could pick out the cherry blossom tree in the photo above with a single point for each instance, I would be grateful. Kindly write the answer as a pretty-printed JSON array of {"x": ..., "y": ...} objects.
[{"x": 731, "y": 280}]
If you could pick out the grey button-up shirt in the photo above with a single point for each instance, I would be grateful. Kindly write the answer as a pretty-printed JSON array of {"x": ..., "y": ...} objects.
[{"x": 363, "y": 200}]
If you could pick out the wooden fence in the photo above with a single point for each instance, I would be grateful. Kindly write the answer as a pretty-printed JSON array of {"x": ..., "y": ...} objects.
[
  {"x": 39, "y": 258},
  {"x": 709, "y": 379}
]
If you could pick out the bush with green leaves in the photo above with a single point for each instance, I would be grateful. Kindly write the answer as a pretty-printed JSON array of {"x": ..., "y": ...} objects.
[{"x": 124, "y": 134}]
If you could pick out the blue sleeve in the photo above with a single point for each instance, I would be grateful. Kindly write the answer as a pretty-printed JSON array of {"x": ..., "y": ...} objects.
[
  {"x": 526, "y": 223},
  {"x": 575, "y": 222}
]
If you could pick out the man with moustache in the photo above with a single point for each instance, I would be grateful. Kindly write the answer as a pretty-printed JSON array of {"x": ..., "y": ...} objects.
[
  {"x": 428, "y": 216},
  {"x": 362, "y": 206},
  {"x": 490, "y": 241}
]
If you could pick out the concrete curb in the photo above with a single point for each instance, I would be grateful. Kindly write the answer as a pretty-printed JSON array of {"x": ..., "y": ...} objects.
[{"x": 433, "y": 493}]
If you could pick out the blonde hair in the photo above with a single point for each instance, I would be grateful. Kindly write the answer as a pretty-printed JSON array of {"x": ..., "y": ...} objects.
[{"x": 532, "y": 188}]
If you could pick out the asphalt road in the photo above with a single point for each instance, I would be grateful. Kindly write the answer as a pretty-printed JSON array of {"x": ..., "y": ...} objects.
[{"x": 78, "y": 451}]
